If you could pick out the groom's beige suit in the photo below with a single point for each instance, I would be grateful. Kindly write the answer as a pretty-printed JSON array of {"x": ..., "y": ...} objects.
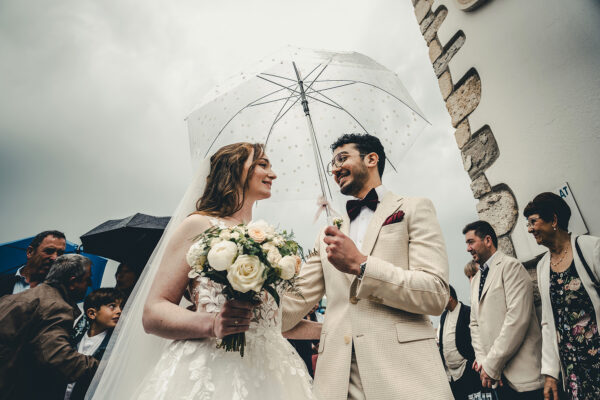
[{"x": 384, "y": 315}]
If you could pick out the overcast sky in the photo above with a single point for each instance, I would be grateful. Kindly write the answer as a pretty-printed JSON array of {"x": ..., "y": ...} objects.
[{"x": 94, "y": 96}]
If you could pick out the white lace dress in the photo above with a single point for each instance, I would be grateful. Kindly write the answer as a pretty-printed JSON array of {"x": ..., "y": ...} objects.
[{"x": 196, "y": 370}]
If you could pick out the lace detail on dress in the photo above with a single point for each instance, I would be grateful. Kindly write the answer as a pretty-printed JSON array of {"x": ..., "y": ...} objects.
[{"x": 196, "y": 370}]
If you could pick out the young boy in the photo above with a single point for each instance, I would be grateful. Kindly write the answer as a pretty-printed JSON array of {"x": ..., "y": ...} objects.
[{"x": 102, "y": 309}]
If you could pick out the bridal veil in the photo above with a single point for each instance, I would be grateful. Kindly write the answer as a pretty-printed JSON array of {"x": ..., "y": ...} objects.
[{"x": 132, "y": 353}]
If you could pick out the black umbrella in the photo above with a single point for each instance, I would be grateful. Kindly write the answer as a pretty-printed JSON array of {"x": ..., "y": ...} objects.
[{"x": 129, "y": 240}]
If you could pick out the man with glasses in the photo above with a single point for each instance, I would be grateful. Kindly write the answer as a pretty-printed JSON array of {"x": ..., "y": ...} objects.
[
  {"x": 44, "y": 249},
  {"x": 383, "y": 271}
]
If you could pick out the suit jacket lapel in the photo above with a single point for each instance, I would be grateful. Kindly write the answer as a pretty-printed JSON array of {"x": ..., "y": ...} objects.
[
  {"x": 494, "y": 270},
  {"x": 389, "y": 204}
]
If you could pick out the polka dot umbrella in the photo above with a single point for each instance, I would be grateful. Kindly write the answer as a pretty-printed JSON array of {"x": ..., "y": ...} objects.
[{"x": 298, "y": 102}]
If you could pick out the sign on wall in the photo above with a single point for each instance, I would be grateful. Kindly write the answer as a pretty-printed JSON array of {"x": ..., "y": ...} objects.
[{"x": 576, "y": 223}]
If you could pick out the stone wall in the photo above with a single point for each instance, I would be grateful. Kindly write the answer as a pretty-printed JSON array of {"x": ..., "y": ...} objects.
[{"x": 478, "y": 146}]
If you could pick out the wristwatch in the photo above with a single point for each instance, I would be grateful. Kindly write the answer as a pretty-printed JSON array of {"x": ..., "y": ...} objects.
[{"x": 362, "y": 270}]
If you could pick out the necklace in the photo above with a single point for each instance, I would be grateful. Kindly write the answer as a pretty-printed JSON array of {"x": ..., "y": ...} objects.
[{"x": 554, "y": 264}]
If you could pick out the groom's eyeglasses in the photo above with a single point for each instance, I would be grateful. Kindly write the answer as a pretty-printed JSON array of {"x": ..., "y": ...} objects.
[{"x": 339, "y": 160}]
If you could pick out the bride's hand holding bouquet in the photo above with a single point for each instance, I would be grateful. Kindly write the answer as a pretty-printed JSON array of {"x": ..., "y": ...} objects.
[{"x": 246, "y": 260}]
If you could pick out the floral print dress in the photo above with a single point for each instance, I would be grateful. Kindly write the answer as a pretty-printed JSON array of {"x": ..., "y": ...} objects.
[{"x": 578, "y": 337}]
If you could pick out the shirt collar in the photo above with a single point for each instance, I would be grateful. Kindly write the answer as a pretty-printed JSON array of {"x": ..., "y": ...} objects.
[
  {"x": 487, "y": 264},
  {"x": 456, "y": 309},
  {"x": 380, "y": 190},
  {"x": 19, "y": 275}
]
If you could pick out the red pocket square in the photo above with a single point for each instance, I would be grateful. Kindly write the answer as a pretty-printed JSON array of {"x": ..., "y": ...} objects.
[{"x": 396, "y": 217}]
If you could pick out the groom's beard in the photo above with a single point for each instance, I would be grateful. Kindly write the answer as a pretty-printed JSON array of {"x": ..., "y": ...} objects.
[{"x": 359, "y": 179}]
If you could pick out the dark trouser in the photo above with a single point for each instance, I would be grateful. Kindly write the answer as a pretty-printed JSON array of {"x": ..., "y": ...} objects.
[
  {"x": 508, "y": 393},
  {"x": 468, "y": 383}
]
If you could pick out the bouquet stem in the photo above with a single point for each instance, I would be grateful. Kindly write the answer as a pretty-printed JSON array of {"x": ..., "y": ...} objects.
[{"x": 235, "y": 342}]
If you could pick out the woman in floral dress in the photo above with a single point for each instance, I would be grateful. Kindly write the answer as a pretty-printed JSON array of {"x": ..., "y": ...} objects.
[{"x": 570, "y": 302}]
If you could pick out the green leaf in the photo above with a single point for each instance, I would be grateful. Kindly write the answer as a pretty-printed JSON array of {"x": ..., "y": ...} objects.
[{"x": 271, "y": 290}]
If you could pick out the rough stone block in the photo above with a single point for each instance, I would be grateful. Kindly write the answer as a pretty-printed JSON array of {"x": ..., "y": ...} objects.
[
  {"x": 422, "y": 8},
  {"x": 435, "y": 50},
  {"x": 462, "y": 134},
  {"x": 426, "y": 22},
  {"x": 505, "y": 245},
  {"x": 483, "y": 150},
  {"x": 431, "y": 31},
  {"x": 445, "y": 82},
  {"x": 499, "y": 208},
  {"x": 441, "y": 64},
  {"x": 480, "y": 186},
  {"x": 464, "y": 99}
]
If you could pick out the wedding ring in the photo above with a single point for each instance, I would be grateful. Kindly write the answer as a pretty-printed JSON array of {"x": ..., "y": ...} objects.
[{"x": 235, "y": 322}]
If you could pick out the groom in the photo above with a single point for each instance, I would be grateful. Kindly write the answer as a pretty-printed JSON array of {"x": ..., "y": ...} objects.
[{"x": 383, "y": 272}]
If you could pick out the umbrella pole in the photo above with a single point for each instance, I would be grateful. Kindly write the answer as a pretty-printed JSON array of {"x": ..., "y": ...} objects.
[{"x": 313, "y": 138}]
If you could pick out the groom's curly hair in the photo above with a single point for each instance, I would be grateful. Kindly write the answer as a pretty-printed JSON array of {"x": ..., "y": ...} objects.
[
  {"x": 365, "y": 144},
  {"x": 225, "y": 192}
]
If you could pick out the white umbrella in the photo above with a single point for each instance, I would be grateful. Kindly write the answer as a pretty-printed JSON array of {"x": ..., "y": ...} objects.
[{"x": 297, "y": 102}]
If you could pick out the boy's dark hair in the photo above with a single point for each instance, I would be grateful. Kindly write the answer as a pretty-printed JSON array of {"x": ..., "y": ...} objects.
[
  {"x": 453, "y": 293},
  {"x": 101, "y": 297},
  {"x": 365, "y": 144},
  {"x": 39, "y": 238},
  {"x": 482, "y": 229},
  {"x": 546, "y": 205}
]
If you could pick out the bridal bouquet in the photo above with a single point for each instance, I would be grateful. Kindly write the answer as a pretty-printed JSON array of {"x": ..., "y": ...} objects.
[{"x": 245, "y": 259}]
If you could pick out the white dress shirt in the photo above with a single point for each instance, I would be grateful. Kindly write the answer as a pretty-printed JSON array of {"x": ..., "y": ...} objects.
[
  {"x": 358, "y": 227},
  {"x": 88, "y": 346},
  {"x": 21, "y": 285},
  {"x": 455, "y": 362}
]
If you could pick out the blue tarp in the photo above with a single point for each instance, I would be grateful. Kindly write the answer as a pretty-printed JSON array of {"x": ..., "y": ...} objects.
[{"x": 13, "y": 255}]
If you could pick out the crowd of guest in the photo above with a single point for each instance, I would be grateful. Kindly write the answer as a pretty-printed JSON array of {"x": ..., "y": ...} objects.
[
  {"x": 496, "y": 347},
  {"x": 512, "y": 352}
]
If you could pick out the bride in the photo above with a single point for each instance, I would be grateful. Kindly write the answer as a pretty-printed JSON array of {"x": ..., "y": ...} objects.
[{"x": 177, "y": 355}]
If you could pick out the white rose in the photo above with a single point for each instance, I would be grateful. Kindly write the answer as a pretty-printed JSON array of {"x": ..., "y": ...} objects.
[
  {"x": 278, "y": 241},
  {"x": 214, "y": 241},
  {"x": 273, "y": 255},
  {"x": 235, "y": 235},
  {"x": 246, "y": 274},
  {"x": 194, "y": 256},
  {"x": 222, "y": 255},
  {"x": 287, "y": 266},
  {"x": 225, "y": 234},
  {"x": 259, "y": 230}
]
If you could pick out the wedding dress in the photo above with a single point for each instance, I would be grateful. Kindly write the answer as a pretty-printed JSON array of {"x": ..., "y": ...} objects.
[{"x": 198, "y": 370}]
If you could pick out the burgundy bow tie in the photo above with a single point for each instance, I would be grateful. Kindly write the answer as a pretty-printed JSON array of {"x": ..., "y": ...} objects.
[{"x": 353, "y": 207}]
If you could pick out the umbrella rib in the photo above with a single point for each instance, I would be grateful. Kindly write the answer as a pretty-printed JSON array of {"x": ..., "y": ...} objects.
[
  {"x": 237, "y": 113},
  {"x": 277, "y": 117},
  {"x": 279, "y": 76},
  {"x": 332, "y": 87},
  {"x": 271, "y": 101},
  {"x": 324, "y": 102},
  {"x": 383, "y": 90},
  {"x": 357, "y": 121},
  {"x": 278, "y": 84},
  {"x": 316, "y": 77},
  {"x": 286, "y": 111}
]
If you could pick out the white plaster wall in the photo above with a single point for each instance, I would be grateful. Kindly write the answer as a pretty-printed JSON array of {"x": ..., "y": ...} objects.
[{"x": 539, "y": 63}]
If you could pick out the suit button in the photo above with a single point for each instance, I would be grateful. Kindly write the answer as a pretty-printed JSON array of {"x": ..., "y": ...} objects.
[
  {"x": 347, "y": 339},
  {"x": 353, "y": 299}
]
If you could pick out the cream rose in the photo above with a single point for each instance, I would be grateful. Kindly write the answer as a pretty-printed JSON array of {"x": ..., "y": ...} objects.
[
  {"x": 260, "y": 230},
  {"x": 222, "y": 255},
  {"x": 225, "y": 234},
  {"x": 287, "y": 267},
  {"x": 273, "y": 255},
  {"x": 246, "y": 273},
  {"x": 298, "y": 264}
]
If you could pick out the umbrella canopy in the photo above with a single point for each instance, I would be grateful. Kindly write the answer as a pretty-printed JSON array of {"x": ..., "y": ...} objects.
[
  {"x": 129, "y": 240},
  {"x": 14, "y": 254},
  {"x": 297, "y": 102}
]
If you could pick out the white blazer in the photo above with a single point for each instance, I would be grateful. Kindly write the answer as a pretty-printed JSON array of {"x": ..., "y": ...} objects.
[
  {"x": 384, "y": 316},
  {"x": 590, "y": 247}
]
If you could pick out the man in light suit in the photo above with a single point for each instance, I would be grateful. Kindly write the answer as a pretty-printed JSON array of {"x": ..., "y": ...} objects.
[
  {"x": 505, "y": 331},
  {"x": 383, "y": 271}
]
